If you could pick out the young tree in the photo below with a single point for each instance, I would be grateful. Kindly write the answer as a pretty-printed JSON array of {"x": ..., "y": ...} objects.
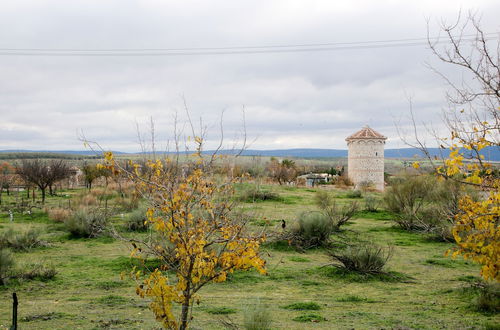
[
  {"x": 6, "y": 177},
  {"x": 284, "y": 171},
  {"x": 42, "y": 174},
  {"x": 474, "y": 123},
  {"x": 197, "y": 237},
  {"x": 92, "y": 172}
]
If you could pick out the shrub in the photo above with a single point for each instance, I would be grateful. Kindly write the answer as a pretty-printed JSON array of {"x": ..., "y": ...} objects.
[
  {"x": 84, "y": 201},
  {"x": 406, "y": 194},
  {"x": 38, "y": 271},
  {"x": 254, "y": 195},
  {"x": 423, "y": 203},
  {"x": 364, "y": 258},
  {"x": 343, "y": 181},
  {"x": 313, "y": 229},
  {"x": 257, "y": 317},
  {"x": 21, "y": 241},
  {"x": 128, "y": 203},
  {"x": 137, "y": 220},
  {"x": 6, "y": 265},
  {"x": 410, "y": 198},
  {"x": 489, "y": 298},
  {"x": 87, "y": 223},
  {"x": 371, "y": 204},
  {"x": 366, "y": 186},
  {"x": 58, "y": 214},
  {"x": 354, "y": 194},
  {"x": 337, "y": 216}
]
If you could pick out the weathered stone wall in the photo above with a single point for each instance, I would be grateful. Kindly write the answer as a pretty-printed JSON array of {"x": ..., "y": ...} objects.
[{"x": 366, "y": 162}]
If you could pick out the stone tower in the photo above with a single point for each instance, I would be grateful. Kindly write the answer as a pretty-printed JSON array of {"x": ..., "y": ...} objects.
[{"x": 365, "y": 162}]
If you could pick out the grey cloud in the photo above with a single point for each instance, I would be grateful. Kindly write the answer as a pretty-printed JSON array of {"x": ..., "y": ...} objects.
[{"x": 291, "y": 99}]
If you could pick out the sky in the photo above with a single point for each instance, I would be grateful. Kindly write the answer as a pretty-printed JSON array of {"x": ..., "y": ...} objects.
[{"x": 277, "y": 100}]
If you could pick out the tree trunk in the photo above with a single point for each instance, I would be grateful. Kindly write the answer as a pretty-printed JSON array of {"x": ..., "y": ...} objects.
[
  {"x": 43, "y": 195},
  {"x": 184, "y": 314}
]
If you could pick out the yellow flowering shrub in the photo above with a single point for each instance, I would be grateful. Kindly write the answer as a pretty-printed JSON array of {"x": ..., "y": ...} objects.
[
  {"x": 476, "y": 229},
  {"x": 199, "y": 239}
]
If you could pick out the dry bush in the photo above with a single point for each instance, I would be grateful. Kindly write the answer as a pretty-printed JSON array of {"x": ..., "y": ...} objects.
[
  {"x": 137, "y": 220},
  {"x": 426, "y": 204},
  {"x": 257, "y": 317},
  {"x": 38, "y": 271},
  {"x": 128, "y": 203},
  {"x": 84, "y": 201},
  {"x": 58, "y": 214},
  {"x": 343, "y": 181},
  {"x": 6, "y": 265},
  {"x": 338, "y": 216},
  {"x": 371, "y": 204},
  {"x": 313, "y": 229},
  {"x": 489, "y": 298},
  {"x": 87, "y": 223},
  {"x": 99, "y": 191},
  {"x": 363, "y": 258},
  {"x": 366, "y": 186},
  {"x": 21, "y": 241}
]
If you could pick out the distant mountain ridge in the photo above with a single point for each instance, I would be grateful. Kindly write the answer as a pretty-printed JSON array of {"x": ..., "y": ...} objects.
[{"x": 490, "y": 153}]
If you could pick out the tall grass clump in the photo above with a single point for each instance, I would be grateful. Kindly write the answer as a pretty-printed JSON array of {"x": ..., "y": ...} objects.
[
  {"x": 38, "y": 271},
  {"x": 312, "y": 229},
  {"x": 58, "y": 214},
  {"x": 337, "y": 215},
  {"x": 258, "y": 195},
  {"x": 411, "y": 198},
  {"x": 21, "y": 241},
  {"x": 353, "y": 194},
  {"x": 370, "y": 204},
  {"x": 6, "y": 265},
  {"x": 257, "y": 317},
  {"x": 137, "y": 220},
  {"x": 87, "y": 223},
  {"x": 362, "y": 258},
  {"x": 426, "y": 204},
  {"x": 489, "y": 298}
]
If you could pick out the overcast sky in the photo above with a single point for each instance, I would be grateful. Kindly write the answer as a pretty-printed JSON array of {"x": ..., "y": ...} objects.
[{"x": 307, "y": 99}]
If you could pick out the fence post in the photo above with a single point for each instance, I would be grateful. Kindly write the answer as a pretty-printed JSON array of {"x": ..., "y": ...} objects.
[{"x": 14, "y": 312}]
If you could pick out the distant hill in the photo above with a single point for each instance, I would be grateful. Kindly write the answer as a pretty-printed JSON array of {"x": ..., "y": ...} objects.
[{"x": 490, "y": 153}]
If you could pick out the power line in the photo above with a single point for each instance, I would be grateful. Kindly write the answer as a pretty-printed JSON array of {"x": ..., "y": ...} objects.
[{"x": 235, "y": 50}]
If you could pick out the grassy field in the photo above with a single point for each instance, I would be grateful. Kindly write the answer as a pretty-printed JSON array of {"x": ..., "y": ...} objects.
[{"x": 425, "y": 291}]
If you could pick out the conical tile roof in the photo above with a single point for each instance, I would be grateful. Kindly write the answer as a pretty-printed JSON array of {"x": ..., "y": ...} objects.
[{"x": 366, "y": 133}]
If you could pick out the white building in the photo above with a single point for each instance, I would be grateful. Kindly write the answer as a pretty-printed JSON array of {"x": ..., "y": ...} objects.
[{"x": 365, "y": 162}]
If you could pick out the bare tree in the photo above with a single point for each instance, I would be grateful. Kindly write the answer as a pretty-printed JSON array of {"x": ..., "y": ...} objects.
[
  {"x": 474, "y": 112},
  {"x": 6, "y": 178},
  {"x": 43, "y": 174}
]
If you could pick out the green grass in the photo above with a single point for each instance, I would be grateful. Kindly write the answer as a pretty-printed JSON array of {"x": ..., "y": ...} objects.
[
  {"x": 112, "y": 300},
  {"x": 298, "y": 259},
  {"x": 422, "y": 290},
  {"x": 448, "y": 263},
  {"x": 303, "y": 306},
  {"x": 355, "y": 298},
  {"x": 309, "y": 317},
  {"x": 221, "y": 310}
]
